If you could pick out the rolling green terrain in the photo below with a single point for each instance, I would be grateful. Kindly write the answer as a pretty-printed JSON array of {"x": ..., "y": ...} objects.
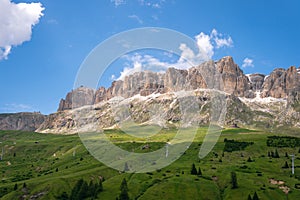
[{"x": 43, "y": 166}]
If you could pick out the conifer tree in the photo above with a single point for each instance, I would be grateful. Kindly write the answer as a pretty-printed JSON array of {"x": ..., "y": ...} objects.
[
  {"x": 276, "y": 154},
  {"x": 255, "y": 196},
  {"x": 249, "y": 197},
  {"x": 286, "y": 165},
  {"x": 234, "y": 180},
  {"x": 194, "y": 170},
  {"x": 199, "y": 172},
  {"x": 124, "y": 191},
  {"x": 16, "y": 186}
]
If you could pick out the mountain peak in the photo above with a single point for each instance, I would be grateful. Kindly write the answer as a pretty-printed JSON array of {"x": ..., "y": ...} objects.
[{"x": 279, "y": 84}]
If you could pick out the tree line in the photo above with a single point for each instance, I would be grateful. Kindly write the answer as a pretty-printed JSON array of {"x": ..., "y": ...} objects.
[{"x": 283, "y": 141}]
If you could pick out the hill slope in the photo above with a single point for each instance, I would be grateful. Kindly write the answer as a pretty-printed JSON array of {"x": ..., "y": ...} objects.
[{"x": 52, "y": 164}]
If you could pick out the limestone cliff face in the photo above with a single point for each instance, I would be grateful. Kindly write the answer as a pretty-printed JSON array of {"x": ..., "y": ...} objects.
[
  {"x": 146, "y": 83},
  {"x": 77, "y": 98},
  {"x": 235, "y": 82},
  {"x": 280, "y": 83},
  {"x": 21, "y": 121},
  {"x": 253, "y": 99},
  {"x": 257, "y": 81}
]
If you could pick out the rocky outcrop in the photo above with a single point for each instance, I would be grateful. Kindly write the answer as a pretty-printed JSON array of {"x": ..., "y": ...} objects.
[
  {"x": 77, "y": 98},
  {"x": 147, "y": 82},
  {"x": 235, "y": 82},
  {"x": 257, "y": 81},
  {"x": 281, "y": 83},
  {"x": 150, "y": 97},
  {"x": 21, "y": 121}
]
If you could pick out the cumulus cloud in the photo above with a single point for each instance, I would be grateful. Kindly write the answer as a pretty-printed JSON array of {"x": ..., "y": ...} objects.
[
  {"x": 220, "y": 40},
  {"x": 248, "y": 63},
  {"x": 206, "y": 46},
  {"x": 137, "y": 63},
  {"x": 135, "y": 17},
  {"x": 16, "y": 22},
  {"x": 118, "y": 2}
]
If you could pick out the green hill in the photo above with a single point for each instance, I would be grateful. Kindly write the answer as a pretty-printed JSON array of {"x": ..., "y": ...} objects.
[{"x": 44, "y": 166}]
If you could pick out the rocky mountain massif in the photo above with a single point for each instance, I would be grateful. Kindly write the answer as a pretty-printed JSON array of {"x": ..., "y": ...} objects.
[
  {"x": 21, "y": 121},
  {"x": 152, "y": 98},
  {"x": 280, "y": 83}
]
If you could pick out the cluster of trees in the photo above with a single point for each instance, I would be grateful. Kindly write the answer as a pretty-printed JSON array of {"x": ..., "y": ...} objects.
[
  {"x": 255, "y": 197},
  {"x": 83, "y": 190},
  {"x": 5, "y": 190},
  {"x": 273, "y": 154},
  {"x": 232, "y": 145},
  {"x": 283, "y": 141},
  {"x": 194, "y": 170}
]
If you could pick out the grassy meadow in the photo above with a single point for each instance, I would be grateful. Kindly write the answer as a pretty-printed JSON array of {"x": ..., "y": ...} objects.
[{"x": 44, "y": 166}]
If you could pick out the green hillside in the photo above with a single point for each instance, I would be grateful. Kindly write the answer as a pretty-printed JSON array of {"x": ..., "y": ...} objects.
[{"x": 45, "y": 166}]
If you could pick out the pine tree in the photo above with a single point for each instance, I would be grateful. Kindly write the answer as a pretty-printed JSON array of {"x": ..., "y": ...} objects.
[
  {"x": 83, "y": 192},
  {"x": 16, "y": 186},
  {"x": 234, "y": 180},
  {"x": 126, "y": 168},
  {"x": 76, "y": 189},
  {"x": 249, "y": 197},
  {"x": 124, "y": 191},
  {"x": 269, "y": 154},
  {"x": 100, "y": 186},
  {"x": 286, "y": 154},
  {"x": 272, "y": 154},
  {"x": 276, "y": 154},
  {"x": 194, "y": 170},
  {"x": 286, "y": 165},
  {"x": 123, "y": 184},
  {"x": 63, "y": 196},
  {"x": 255, "y": 197},
  {"x": 199, "y": 172},
  {"x": 92, "y": 189},
  {"x": 249, "y": 159}
]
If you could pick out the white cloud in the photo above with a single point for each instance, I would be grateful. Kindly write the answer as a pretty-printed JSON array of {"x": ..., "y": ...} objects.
[
  {"x": 206, "y": 46},
  {"x": 118, "y": 2},
  {"x": 136, "y": 18},
  {"x": 139, "y": 63},
  {"x": 113, "y": 77},
  {"x": 220, "y": 40},
  {"x": 152, "y": 3},
  {"x": 16, "y": 22},
  {"x": 248, "y": 63}
]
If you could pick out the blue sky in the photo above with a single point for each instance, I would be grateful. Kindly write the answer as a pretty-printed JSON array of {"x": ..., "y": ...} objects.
[{"x": 40, "y": 70}]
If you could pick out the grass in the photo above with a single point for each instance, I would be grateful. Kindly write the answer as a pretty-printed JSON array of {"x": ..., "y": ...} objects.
[{"x": 51, "y": 164}]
